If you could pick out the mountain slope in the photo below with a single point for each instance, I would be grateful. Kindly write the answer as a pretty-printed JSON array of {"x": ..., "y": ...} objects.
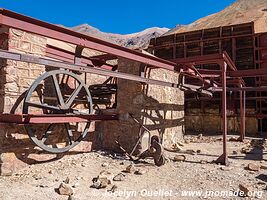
[
  {"x": 241, "y": 11},
  {"x": 134, "y": 40}
]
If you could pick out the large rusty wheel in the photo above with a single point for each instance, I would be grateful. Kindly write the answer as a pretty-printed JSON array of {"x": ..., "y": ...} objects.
[{"x": 58, "y": 92}]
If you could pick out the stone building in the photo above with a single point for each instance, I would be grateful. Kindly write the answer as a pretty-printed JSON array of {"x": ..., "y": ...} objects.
[{"x": 160, "y": 109}]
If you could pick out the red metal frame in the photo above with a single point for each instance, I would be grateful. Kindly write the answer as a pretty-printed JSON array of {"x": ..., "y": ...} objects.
[{"x": 55, "y": 118}]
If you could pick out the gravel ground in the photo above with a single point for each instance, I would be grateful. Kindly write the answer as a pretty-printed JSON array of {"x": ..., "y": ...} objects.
[{"x": 171, "y": 181}]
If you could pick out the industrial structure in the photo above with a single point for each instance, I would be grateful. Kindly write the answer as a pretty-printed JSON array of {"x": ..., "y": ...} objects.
[
  {"x": 247, "y": 51},
  {"x": 225, "y": 65}
]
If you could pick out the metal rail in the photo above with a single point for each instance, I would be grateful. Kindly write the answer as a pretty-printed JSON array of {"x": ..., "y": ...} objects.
[
  {"x": 44, "y": 61},
  {"x": 55, "y": 118}
]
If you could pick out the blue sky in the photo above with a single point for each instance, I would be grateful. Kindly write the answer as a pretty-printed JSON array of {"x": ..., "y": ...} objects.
[{"x": 117, "y": 16}]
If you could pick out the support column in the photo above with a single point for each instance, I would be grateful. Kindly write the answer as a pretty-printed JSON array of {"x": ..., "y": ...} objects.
[
  {"x": 223, "y": 159},
  {"x": 242, "y": 115}
]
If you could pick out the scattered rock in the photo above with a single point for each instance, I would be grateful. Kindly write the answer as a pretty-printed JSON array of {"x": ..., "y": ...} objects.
[
  {"x": 113, "y": 188},
  {"x": 191, "y": 151},
  {"x": 67, "y": 180},
  {"x": 71, "y": 197},
  {"x": 203, "y": 162},
  {"x": 130, "y": 169},
  {"x": 37, "y": 177},
  {"x": 76, "y": 185},
  {"x": 103, "y": 180},
  {"x": 65, "y": 189},
  {"x": 121, "y": 163},
  {"x": 235, "y": 152},
  {"x": 233, "y": 139},
  {"x": 245, "y": 150},
  {"x": 225, "y": 168},
  {"x": 200, "y": 136},
  {"x": 198, "y": 151},
  {"x": 140, "y": 172},
  {"x": 83, "y": 165},
  {"x": 50, "y": 172},
  {"x": 246, "y": 189},
  {"x": 253, "y": 167},
  {"x": 261, "y": 183},
  {"x": 119, "y": 177},
  {"x": 42, "y": 186},
  {"x": 263, "y": 167},
  {"x": 187, "y": 141},
  {"x": 97, "y": 184},
  {"x": 179, "y": 158},
  {"x": 180, "y": 144},
  {"x": 176, "y": 147},
  {"x": 104, "y": 164}
]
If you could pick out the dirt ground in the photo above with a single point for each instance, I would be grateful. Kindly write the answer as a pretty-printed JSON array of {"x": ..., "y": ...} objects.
[{"x": 195, "y": 178}]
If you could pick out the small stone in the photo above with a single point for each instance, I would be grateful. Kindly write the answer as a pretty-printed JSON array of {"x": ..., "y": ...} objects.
[
  {"x": 253, "y": 167},
  {"x": 200, "y": 136},
  {"x": 180, "y": 144},
  {"x": 179, "y": 158},
  {"x": 261, "y": 183},
  {"x": 130, "y": 169},
  {"x": 235, "y": 152},
  {"x": 76, "y": 185},
  {"x": 83, "y": 165},
  {"x": 246, "y": 189},
  {"x": 140, "y": 172},
  {"x": 104, "y": 164},
  {"x": 106, "y": 175},
  {"x": 37, "y": 177},
  {"x": 67, "y": 180},
  {"x": 233, "y": 139},
  {"x": 119, "y": 177},
  {"x": 113, "y": 188},
  {"x": 65, "y": 189},
  {"x": 203, "y": 162},
  {"x": 50, "y": 172},
  {"x": 121, "y": 163},
  {"x": 187, "y": 141},
  {"x": 102, "y": 180},
  {"x": 191, "y": 151},
  {"x": 71, "y": 197},
  {"x": 96, "y": 184},
  {"x": 225, "y": 168},
  {"x": 245, "y": 150},
  {"x": 198, "y": 151},
  {"x": 263, "y": 167}
]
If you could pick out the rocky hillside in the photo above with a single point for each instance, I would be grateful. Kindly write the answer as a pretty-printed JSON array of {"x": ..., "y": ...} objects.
[
  {"x": 138, "y": 40},
  {"x": 241, "y": 11}
]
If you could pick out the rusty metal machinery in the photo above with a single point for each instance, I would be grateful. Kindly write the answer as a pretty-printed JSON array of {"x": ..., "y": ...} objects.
[{"x": 71, "y": 102}]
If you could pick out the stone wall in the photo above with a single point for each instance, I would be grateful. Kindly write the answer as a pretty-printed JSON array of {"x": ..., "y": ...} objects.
[
  {"x": 16, "y": 77},
  {"x": 211, "y": 123},
  {"x": 160, "y": 109}
]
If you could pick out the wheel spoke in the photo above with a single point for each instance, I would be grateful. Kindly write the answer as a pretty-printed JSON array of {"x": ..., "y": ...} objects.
[
  {"x": 69, "y": 132},
  {"x": 43, "y": 106},
  {"x": 47, "y": 133},
  {"x": 58, "y": 91},
  {"x": 73, "y": 95}
]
